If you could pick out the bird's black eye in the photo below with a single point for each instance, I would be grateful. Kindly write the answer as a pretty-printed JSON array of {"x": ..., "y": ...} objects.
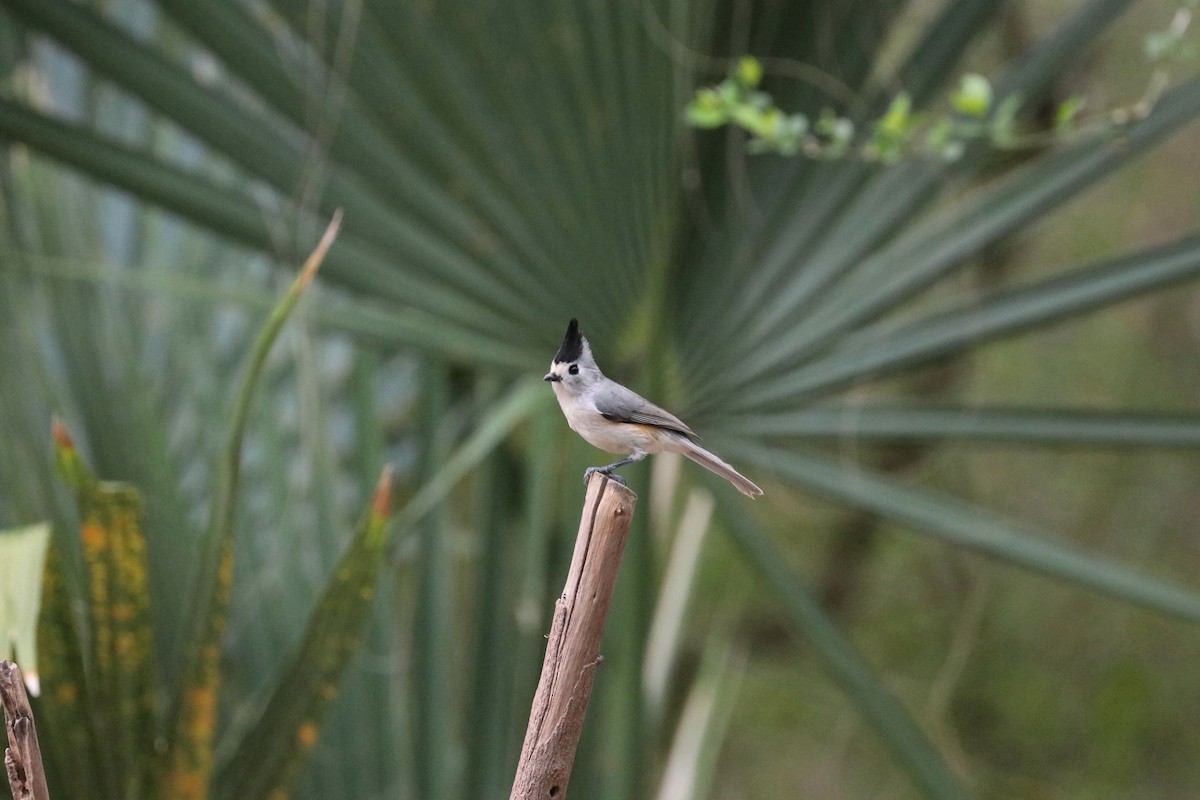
[{"x": 573, "y": 369}]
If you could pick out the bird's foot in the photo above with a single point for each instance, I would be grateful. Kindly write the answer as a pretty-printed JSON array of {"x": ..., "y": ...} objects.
[{"x": 605, "y": 471}]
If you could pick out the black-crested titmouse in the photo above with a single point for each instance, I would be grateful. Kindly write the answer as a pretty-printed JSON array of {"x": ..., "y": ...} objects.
[{"x": 618, "y": 420}]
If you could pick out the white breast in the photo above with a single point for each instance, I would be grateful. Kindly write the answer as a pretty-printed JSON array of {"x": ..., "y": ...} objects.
[{"x": 612, "y": 437}]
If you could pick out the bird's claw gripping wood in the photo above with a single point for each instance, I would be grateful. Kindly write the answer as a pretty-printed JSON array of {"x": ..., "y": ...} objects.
[{"x": 606, "y": 472}]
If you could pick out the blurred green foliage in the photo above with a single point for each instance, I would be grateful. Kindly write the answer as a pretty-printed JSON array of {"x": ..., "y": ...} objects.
[{"x": 114, "y": 733}]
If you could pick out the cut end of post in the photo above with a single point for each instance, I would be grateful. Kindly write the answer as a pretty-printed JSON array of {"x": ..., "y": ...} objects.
[{"x": 607, "y": 484}]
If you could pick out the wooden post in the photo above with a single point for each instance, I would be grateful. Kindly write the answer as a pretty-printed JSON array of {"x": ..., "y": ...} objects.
[
  {"x": 23, "y": 758},
  {"x": 573, "y": 649}
]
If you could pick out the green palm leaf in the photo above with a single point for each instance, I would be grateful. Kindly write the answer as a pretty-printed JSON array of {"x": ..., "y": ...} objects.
[
  {"x": 878, "y": 351},
  {"x": 971, "y": 527},
  {"x": 1015, "y": 425},
  {"x": 844, "y": 663}
]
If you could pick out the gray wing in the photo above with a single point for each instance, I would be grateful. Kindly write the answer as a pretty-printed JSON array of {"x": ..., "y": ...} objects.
[{"x": 618, "y": 404}]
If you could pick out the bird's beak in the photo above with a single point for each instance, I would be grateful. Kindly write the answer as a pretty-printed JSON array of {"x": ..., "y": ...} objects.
[{"x": 550, "y": 376}]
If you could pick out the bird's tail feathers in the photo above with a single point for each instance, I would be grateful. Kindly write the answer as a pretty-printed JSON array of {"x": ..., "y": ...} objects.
[{"x": 715, "y": 465}]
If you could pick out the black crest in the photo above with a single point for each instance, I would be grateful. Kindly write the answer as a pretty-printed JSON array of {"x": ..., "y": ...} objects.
[{"x": 572, "y": 345}]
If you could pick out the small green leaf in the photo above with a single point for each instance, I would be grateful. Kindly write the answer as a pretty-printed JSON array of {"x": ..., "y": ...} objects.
[
  {"x": 779, "y": 133},
  {"x": 797, "y": 125},
  {"x": 1066, "y": 113},
  {"x": 1004, "y": 122},
  {"x": 838, "y": 130},
  {"x": 938, "y": 135},
  {"x": 893, "y": 132},
  {"x": 772, "y": 122},
  {"x": 707, "y": 110},
  {"x": 751, "y": 118},
  {"x": 749, "y": 72},
  {"x": 896, "y": 121},
  {"x": 843, "y": 132},
  {"x": 1156, "y": 44},
  {"x": 1169, "y": 44},
  {"x": 729, "y": 92},
  {"x": 825, "y": 122},
  {"x": 760, "y": 100},
  {"x": 974, "y": 96}
]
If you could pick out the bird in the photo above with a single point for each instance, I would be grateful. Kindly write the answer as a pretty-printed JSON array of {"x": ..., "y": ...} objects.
[{"x": 619, "y": 420}]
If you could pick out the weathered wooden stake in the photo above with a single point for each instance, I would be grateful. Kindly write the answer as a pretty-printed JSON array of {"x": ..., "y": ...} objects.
[
  {"x": 573, "y": 649},
  {"x": 23, "y": 758}
]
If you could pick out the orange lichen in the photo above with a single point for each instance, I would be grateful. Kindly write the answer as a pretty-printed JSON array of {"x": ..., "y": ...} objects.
[
  {"x": 187, "y": 784},
  {"x": 306, "y": 734},
  {"x": 93, "y": 535}
]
